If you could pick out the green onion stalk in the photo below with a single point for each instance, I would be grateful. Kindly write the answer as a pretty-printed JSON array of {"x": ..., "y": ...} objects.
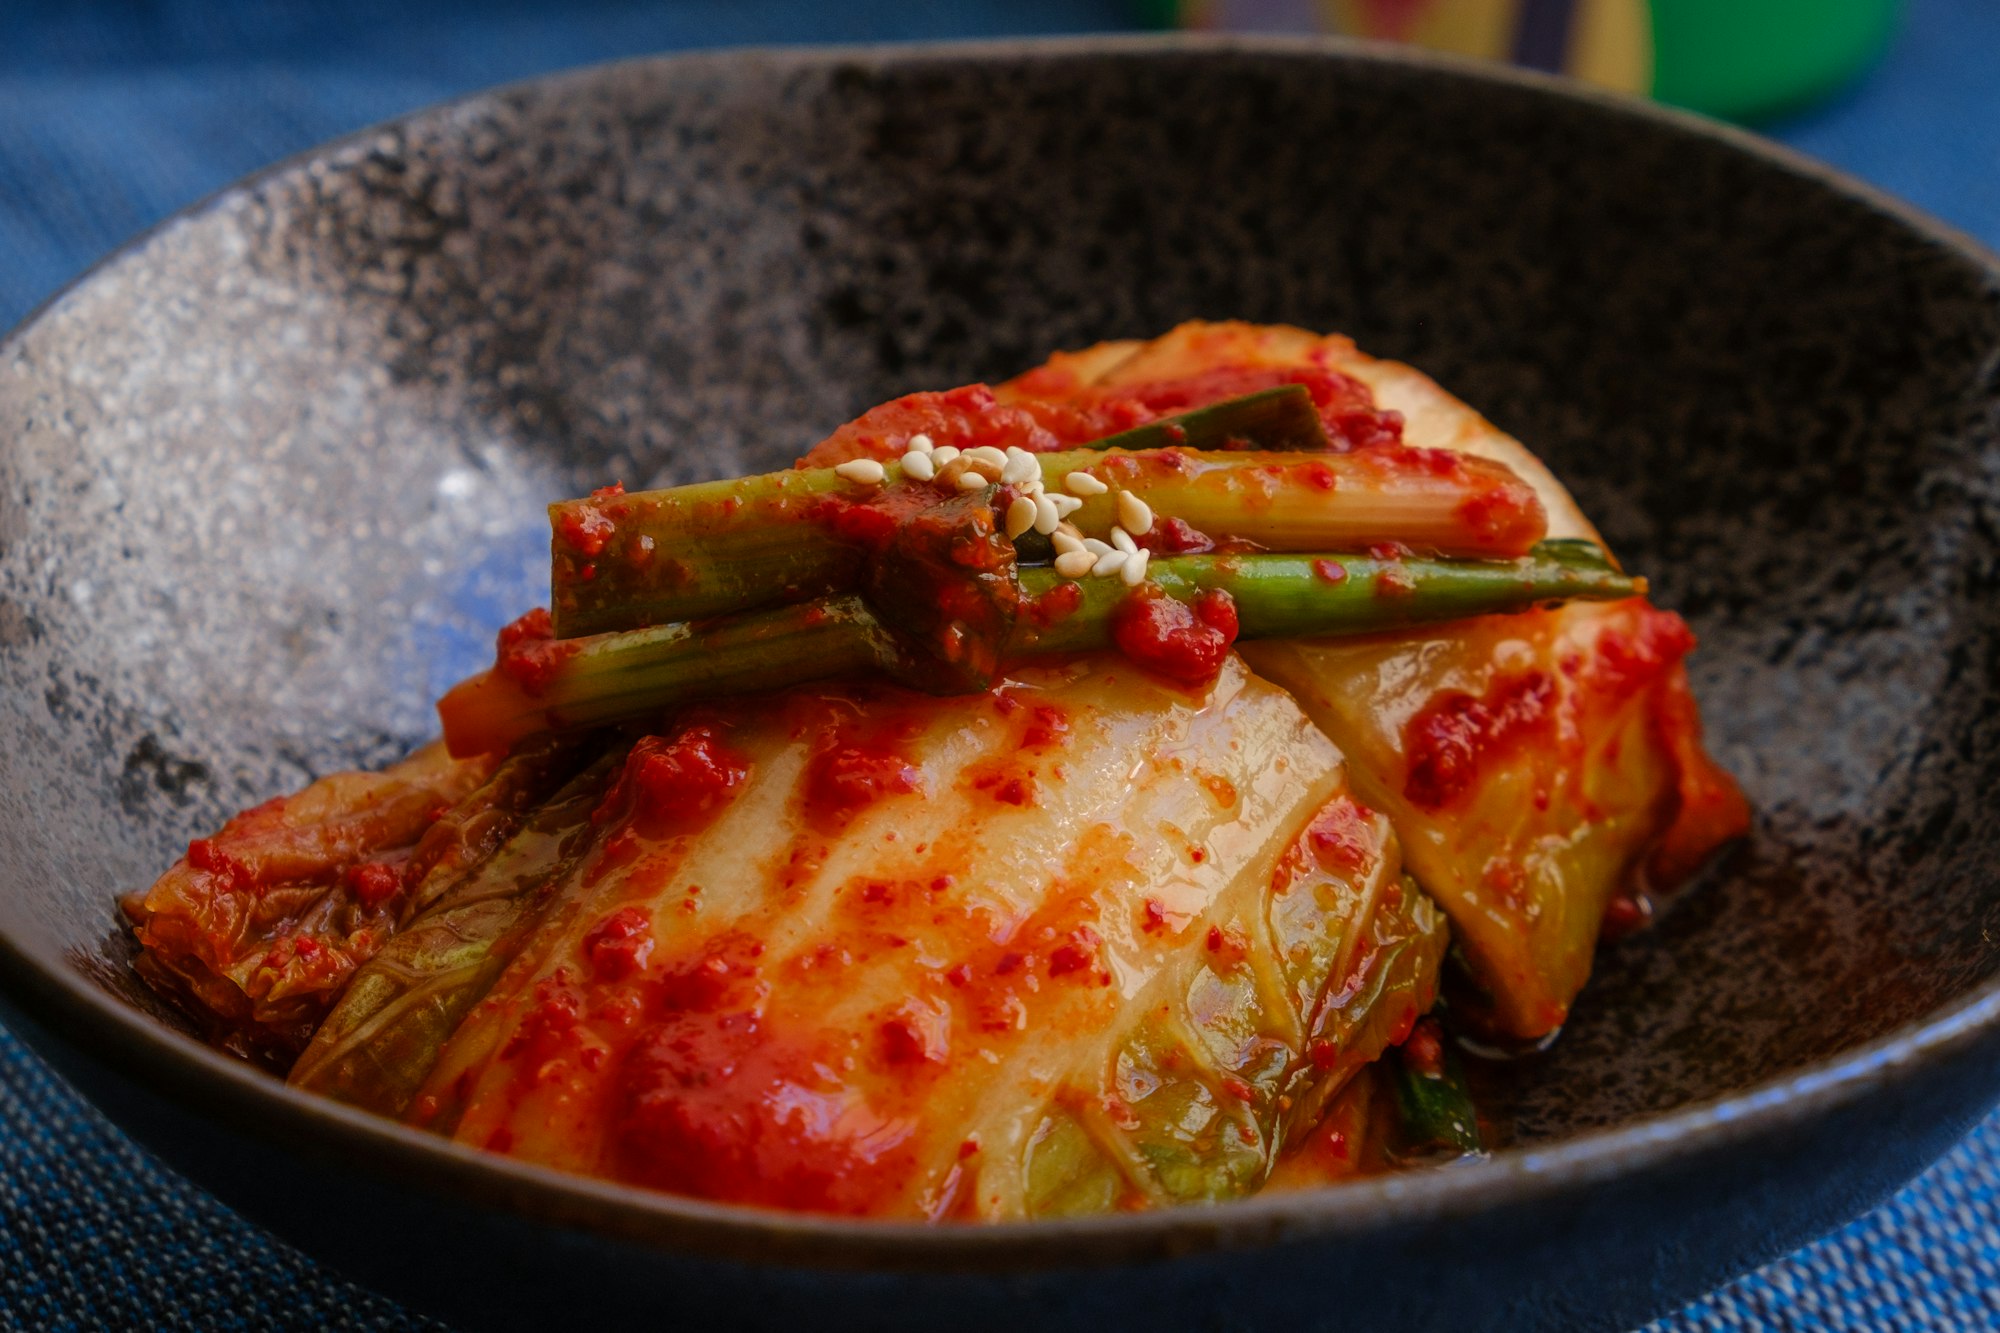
[
  {"x": 635, "y": 674},
  {"x": 1250, "y": 472}
]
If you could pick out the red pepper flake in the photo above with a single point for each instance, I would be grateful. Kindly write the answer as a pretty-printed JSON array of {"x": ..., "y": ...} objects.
[
  {"x": 1155, "y": 916},
  {"x": 1323, "y": 1054},
  {"x": 1332, "y": 571},
  {"x": 1013, "y": 791},
  {"x": 529, "y": 654},
  {"x": 967, "y": 1148},
  {"x": 1424, "y": 1051},
  {"x": 1059, "y": 603},
  {"x": 1341, "y": 837},
  {"x": 1623, "y": 915},
  {"x": 1238, "y": 1089},
  {"x": 619, "y": 945},
  {"x": 1173, "y": 536},
  {"x": 204, "y": 855},
  {"x": 845, "y": 777},
  {"x": 615, "y": 489},
  {"x": 1076, "y": 955},
  {"x": 545, "y": 1029},
  {"x": 1009, "y": 962},
  {"x": 1185, "y": 643},
  {"x": 959, "y": 975},
  {"x": 1215, "y": 939},
  {"x": 374, "y": 883},
  {"x": 1319, "y": 476},
  {"x": 1395, "y": 581},
  {"x": 1050, "y": 727},
  {"x": 686, "y": 776},
  {"x": 585, "y": 529},
  {"x": 915, "y": 1036}
]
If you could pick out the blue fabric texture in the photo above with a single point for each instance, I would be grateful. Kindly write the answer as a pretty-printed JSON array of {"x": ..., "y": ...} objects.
[{"x": 114, "y": 113}]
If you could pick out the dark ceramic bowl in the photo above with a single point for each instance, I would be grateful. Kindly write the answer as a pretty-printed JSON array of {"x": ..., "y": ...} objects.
[{"x": 269, "y": 478}]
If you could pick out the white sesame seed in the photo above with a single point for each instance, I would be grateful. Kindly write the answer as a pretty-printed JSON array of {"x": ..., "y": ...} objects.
[
  {"x": 986, "y": 453},
  {"x": 1123, "y": 540},
  {"x": 919, "y": 465},
  {"x": 1021, "y": 467},
  {"x": 1064, "y": 544},
  {"x": 864, "y": 470},
  {"x": 1069, "y": 529},
  {"x": 1075, "y": 564},
  {"x": 1020, "y": 516},
  {"x": 971, "y": 481},
  {"x": 1109, "y": 563},
  {"x": 1094, "y": 546},
  {"x": 1067, "y": 504},
  {"x": 1045, "y": 515},
  {"x": 1134, "y": 569},
  {"x": 1135, "y": 514},
  {"x": 942, "y": 455},
  {"x": 1082, "y": 483},
  {"x": 921, "y": 443}
]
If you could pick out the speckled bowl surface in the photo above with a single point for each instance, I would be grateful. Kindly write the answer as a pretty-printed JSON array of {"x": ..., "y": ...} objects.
[{"x": 271, "y": 477}]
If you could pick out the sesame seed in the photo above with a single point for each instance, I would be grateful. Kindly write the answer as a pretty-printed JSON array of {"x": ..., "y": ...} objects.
[
  {"x": 986, "y": 453},
  {"x": 943, "y": 455},
  {"x": 1075, "y": 564},
  {"x": 1094, "y": 546},
  {"x": 1082, "y": 483},
  {"x": 921, "y": 443},
  {"x": 1134, "y": 569},
  {"x": 1109, "y": 563},
  {"x": 919, "y": 465},
  {"x": 1066, "y": 505},
  {"x": 1069, "y": 529},
  {"x": 1020, "y": 516},
  {"x": 864, "y": 470},
  {"x": 1123, "y": 540},
  {"x": 1064, "y": 544},
  {"x": 971, "y": 481},
  {"x": 1045, "y": 515},
  {"x": 1134, "y": 513},
  {"x": 1021, "y": 467}
]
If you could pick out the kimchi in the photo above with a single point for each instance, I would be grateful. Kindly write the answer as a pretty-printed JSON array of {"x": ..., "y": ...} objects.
[{"x": 1122, "y": 786}]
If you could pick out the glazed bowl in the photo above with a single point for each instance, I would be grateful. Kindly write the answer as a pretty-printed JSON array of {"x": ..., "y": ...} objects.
[{"x": 270, "y": 478}]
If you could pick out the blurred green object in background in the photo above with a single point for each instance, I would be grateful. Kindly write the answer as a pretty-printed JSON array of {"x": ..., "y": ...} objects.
[
  {"x": 1749, "y": 59},
  {"x": 1738, "y": 59}
]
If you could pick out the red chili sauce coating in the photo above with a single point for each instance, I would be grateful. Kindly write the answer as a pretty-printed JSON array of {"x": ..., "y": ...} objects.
[
  {"x": 1183, "y": 642},
  {"x": 1456, "y": 732},
  {"x": 529, "y": 654},
  {"x": 1345, "y": 404},
  {"x": 680, "y": 781},
  {"x": 619, "y": 945},
  {"x": 715, "y": 1101},
  {"x": 1174, "y": 536},
  {"x": 855, "y": 765}
]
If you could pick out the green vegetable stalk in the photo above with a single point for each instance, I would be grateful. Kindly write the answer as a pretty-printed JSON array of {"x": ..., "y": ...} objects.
[
  {"x": 623, "y": 562},
  {"x": 638, "y": 673}
]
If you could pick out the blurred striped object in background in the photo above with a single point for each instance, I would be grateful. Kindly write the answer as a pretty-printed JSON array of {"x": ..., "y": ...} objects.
[{"x": 1740, "y": 59}]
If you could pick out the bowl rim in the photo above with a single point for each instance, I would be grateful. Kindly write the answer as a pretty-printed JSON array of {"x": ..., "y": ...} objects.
[{"x": 110, "y": 1032}]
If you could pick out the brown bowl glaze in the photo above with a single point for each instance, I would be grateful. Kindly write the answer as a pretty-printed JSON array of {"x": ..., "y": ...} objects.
[{"x": 269, "y": 479}]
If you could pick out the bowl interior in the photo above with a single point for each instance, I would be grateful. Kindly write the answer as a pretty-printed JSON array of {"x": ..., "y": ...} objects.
[{"x": 270, "y": 481}]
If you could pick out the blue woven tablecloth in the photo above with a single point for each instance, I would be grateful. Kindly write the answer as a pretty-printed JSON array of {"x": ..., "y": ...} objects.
[{"x": 115, "y": 113}]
